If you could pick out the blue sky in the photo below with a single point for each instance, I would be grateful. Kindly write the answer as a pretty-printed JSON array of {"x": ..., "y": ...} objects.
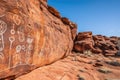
[{"x": 98, "y": 16}]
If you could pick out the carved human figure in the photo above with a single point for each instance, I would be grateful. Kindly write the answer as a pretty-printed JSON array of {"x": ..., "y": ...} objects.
[
  {"x": 29, "y": 49},
  {"x": 21, "y": 35},
  {"x": 18, "y": 55},
  {"x": 23, "y": 47},
  {"x": 3, "y": 28}
]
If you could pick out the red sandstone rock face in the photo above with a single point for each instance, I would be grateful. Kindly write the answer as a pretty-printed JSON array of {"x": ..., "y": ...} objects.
[
  {"x": 54, "y": 11},
  {"x": 97, "y": 43},
  {"x": 31, "y": 35},
  {"x": 105, "y": 44},
  {"x": 83, "y": 42}
]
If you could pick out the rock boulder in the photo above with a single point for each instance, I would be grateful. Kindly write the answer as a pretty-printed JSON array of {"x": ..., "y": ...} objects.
[
  {"x": 32, "y": 34},
  {"x": 83, "y": 42}
]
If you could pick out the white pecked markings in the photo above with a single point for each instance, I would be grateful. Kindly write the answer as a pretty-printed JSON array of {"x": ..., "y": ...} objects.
[
  {"x": 29, "y": 48},
  {"x": 11, "y": 39},
  {"x": 19, "y": 56},
  {"x": 3, "y": 28},
  {"x": 12, "y": 31},
  {"x": 21, "y": 35}
]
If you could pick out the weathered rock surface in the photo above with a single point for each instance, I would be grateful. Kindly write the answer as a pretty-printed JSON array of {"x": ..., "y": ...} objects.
[
  {"x": 79, "y": 69},
  {"x": 32, "y": 34},
  {"x": 83, "y": 41},
  {"x": 96, "y": 43},
  {"x": 72, "y": 25}
]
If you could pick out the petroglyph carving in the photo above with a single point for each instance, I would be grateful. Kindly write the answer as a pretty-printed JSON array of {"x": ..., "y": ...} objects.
[
  {"x": 29, "y": 49},
  {"x": 21, "y": 34},
  {"x": 29, "y": 40},
  {"x": 1, "y": 56},
  {"x": 2, "y": 11},
  {"x": 17, "y": 19},
  {"x": 11, "y": 39},
  {"x": 23, "y": 47},
  {"x": 19, "y": 4},
  {"x": 3, "y": 28},
  {"x": 18, "y": 48},
  {"x": 18, "y": 54},
  {"x": 13, "y": 30}
]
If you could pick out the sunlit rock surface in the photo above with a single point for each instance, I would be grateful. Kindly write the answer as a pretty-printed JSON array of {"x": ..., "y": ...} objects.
[
  {"x": 32, "y": 34},
  {"x": 96, "y": 43}
]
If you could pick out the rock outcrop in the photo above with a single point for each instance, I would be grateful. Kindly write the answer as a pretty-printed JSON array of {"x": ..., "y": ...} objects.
[
  {"x": 96, "y": 43},
  {"x": 83, "y": 42},
  {"x": 32, "y": 34}
]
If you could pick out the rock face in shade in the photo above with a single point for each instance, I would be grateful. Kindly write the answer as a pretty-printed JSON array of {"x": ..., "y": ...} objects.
[
  {"x": 96, "y": 43},
  {"x": 32, "y": 34}
]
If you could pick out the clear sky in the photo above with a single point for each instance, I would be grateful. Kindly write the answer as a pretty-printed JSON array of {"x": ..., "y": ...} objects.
[{"x": 98, "y": 16}]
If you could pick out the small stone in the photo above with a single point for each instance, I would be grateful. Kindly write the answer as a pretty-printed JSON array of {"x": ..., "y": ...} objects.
[
  {"x": 98, "y": 60},
  {"x": 88, "y": 53},
  {"x": 113, "y": 63},
  {"x": 90, "y": 62},
  {"x": 81, "y": 70},
  {"x": 97, "y": 65},
  {"x": 104, "y": 70},
  {"x": 80, "y": 78}
]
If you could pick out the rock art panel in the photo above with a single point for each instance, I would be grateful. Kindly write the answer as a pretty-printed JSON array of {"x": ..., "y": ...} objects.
[
  {"x": 30, "y": 36},
  {"x": 14, "y": 41}
]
